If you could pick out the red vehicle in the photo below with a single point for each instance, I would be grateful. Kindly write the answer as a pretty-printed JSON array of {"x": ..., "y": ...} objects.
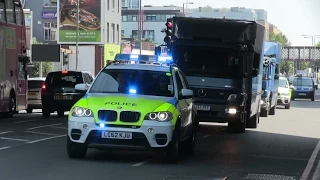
[{"x": 13, "y": 58}]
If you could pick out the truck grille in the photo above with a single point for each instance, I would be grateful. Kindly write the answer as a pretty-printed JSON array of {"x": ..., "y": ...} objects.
[
  {"x": 211, "y": 93},
  {"x": 129, "y": 116},
  {"x": 107, "y": 115}
]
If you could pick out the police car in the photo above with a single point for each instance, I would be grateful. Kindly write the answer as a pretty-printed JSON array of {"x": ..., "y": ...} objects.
[{"x": 136, "y": 102}]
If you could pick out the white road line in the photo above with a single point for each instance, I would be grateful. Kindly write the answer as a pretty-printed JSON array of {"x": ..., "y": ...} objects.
[
  {"x": 44, "y": 139},
  {"x": 14, "y": 139},
  {"x": 6, "y": 132},
  {"x": 38, "y": 127},
  {"x": 49, "y": 134},
  {"x": 141, "y": 163},
  {"x": 3, "y": 148},
  {"x": 59, "y": 127},
  {"x": 316, "y": 175},
  {"x": 308, "y": 169},
  {"x": 18, "y": 122},
  {"x": 206, "y": 136}
]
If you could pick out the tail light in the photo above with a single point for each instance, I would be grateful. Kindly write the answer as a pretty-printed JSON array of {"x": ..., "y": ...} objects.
[{"x": 43, "y": 88}]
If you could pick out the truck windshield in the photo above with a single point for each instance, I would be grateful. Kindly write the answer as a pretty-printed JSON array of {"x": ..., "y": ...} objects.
[
  {"x": 212, "y": 63},
  {"x": 154, "y": 83}
]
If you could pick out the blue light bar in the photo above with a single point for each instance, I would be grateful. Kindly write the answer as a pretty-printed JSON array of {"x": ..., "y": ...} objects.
[
  {"x": 135, "y": 57},
  {"x": 165, "y": 59}
]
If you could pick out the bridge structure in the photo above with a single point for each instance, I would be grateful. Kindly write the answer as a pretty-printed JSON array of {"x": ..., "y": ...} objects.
[{"x": 301, "y": 53}]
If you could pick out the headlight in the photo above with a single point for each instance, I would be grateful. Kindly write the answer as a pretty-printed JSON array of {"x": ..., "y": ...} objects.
[
  {"x": 311, "y": 89},
  {"x": 81, "y": 112},
  {"x": 232, "y": 97},
  {"x": 159, "y": 116}
]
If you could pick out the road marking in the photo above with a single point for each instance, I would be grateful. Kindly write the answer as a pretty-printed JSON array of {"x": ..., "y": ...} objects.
[
  {"x": 44, "y": 139},
  {"x": 3, "y": 148},
  {"x": 59, "y": 127},
  {"x": 6, "y": 132},
  {"x": 206, "y": 136},
  {"x": 49, "y": 134},
  {"x": 141, "y": 163},
  {"x": 308, "y": 169},
  {"x": 316, "y": 174},
  {"x": 38, "y": 127},
  {"x": 13, "y": 139},
  {"x": 18, "y": 122}
]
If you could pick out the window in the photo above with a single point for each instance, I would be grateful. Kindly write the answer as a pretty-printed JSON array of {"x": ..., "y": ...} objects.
[
  {"x": 108, "y": 5},
  {"x": 18, "y": 14},
  {"x": 179, "y": 82},
  {"x": 151, "y": 18},
  {"x": 118, "y": 33},
  {"x": 184, "y": 80},
  {"x": 63, "y": 81},
  {"x": 2, "y": 12},
  {"x": 124, "y": 18},
  {"x": 134, "y": 18},
  {"x": 153, "y": 83},
  {"x": 10, "y": 12},
  {"x": 108, "y": 33},
  {"x": 113, "y": 33},
  {"x": 22, "y": 70},
  {"x": 122, "y": 32},
  {"x": 135, "y": 34},
  {"x": 50, "y": 31},
  {"x": 148, "y": 34},
  {"x": 113, "y": 4},
  {"x": 50, "y": 3},
  {"x": 35, "y": 84},
  {"x": 283, "y": 83}
]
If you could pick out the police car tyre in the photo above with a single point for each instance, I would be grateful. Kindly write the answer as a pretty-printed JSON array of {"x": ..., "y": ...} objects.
[
  {"x": 45, "y": 113},
  {"x": 173, "y": 150},
  {"x": 76, "y": 150},
  {"x": 189, "y": 144},
  {"x": 287, "y": 106}
]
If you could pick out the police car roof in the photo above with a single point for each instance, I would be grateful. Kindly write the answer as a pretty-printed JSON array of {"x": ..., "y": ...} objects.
[{"x": 140, "y": 67}]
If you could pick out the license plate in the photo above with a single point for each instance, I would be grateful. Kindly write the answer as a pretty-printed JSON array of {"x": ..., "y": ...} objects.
[
  {"x": 63, "y": 97},
  {"x": 32, "y": 93},
  {"x": 202, "y": 108},
  {"x": 302, "y": 94},
  {"x": 116, "y": 135}
]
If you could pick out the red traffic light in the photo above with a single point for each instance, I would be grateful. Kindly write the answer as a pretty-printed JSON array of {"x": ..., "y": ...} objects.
[{"x": 169, "y": 25}]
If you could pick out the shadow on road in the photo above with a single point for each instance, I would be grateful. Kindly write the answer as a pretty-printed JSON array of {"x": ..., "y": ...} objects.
[{"x": 305, "y": 103}]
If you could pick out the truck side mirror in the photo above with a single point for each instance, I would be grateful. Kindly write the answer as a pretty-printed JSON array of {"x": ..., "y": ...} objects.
[{"x": 276, "y": 76}]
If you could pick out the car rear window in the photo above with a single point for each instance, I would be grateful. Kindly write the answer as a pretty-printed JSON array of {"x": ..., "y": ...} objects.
[
  {"x": 64, "y": 79},
  {"x": 33, "y": 84}
]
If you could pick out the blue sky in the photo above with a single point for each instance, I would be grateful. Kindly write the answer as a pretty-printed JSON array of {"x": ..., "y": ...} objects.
[{"x": 292, "y": 17}]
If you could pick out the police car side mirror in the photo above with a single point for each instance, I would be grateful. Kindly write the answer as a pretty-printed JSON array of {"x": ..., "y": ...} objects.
[
  {"x": 186, "y": 93},
  {"x": 291, "y": 87},
  {"x": 81, "y": 87}
]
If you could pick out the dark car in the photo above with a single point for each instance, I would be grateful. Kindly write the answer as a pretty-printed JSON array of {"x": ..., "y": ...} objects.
[
  {"x": 303, "y": 88},
  {"x": 58, "y": 92}
]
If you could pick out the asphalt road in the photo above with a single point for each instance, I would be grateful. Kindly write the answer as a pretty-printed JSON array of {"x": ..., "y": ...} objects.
[{"x": 284, "y": 147}]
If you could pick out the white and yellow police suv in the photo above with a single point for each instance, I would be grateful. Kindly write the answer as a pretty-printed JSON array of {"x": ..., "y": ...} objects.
[{"x": 136, "y": 102}]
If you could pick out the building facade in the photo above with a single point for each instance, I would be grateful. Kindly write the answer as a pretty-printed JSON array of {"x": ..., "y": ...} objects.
[
  {"x": 131, "y": 4},
  {"x": 154, "y": 19}
]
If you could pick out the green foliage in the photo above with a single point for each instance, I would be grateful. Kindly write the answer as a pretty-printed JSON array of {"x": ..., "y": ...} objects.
[
  {"x": 318, "y": 44},
  {"x": 46, "y": 66},
  {"x": 281, "y": 38}
]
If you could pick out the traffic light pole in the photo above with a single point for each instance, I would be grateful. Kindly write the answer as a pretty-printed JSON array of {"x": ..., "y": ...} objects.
[{"x": 140, "y": 25}]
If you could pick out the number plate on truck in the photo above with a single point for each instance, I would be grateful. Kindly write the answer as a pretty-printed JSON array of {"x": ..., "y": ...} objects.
[{"x": 203, "y": 108}]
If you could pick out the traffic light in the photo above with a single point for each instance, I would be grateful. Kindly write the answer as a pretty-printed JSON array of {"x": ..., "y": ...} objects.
[{"x": 168, "y": 31}]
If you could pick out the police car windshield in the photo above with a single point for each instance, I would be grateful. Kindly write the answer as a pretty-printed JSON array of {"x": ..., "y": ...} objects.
[
  {"x": 154, "y": 83},
  {"x": 302, "y": 82},
  {"x": 282, "y": 83}
]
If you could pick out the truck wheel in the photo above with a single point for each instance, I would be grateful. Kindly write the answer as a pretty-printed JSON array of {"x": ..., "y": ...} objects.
[
  {"x": 264, "y": 113},
  {"x": 76, "y": 150},
  {"x": 273, "y": 110},
  {"x": 292, "y": 98},
  {"x": 287, "y": 106},
  {"x": 312, "y": 98},
  {"x": 238, "y": 127},
  {"x": 253, "y": 121}
]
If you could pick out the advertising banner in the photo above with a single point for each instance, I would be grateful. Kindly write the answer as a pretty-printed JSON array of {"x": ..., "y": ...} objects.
[{"x": 89, "y": 21}]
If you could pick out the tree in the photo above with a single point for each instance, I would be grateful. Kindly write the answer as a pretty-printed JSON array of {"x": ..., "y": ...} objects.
[{"x": 46, "y": 66}]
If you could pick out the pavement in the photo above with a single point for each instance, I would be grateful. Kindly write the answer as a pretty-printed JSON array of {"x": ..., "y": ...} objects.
[{"x": 283, "y": 147}]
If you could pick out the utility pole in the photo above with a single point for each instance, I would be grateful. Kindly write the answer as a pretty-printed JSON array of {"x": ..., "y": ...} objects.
[{"x": 77, "y": 37}]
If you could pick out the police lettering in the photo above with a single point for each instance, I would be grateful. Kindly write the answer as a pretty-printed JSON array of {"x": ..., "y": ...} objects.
[{"x": 120, "y": 104}]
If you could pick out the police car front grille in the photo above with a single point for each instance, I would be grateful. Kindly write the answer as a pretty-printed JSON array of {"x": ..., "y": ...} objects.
[
  {"x": 129, "y": 116},
  {"x": 107, "y": 115}
]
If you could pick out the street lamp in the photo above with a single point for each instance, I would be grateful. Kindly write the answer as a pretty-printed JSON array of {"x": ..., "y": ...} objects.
[
  {"x": 186, "y": 6},
  {"x": 77, "y": 37}
]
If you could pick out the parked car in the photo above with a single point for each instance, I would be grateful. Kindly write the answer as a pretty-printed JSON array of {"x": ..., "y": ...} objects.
[{"x": 34, "y": 93}]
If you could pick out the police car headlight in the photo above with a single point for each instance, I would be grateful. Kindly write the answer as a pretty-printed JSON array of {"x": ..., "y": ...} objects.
[
  {"x": 81, "y": 112},
  {"x": 159, "y": 116}
]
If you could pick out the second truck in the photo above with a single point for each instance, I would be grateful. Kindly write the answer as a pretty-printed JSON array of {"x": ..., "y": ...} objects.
[{"x": 223, "y": 63}]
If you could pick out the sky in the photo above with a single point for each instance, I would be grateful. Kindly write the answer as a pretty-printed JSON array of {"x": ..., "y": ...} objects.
[{"x": 293, "y": 17}]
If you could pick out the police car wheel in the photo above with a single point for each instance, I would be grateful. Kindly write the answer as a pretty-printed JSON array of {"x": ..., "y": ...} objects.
[
  {"x": 76, "y": 150},
  {"x": 190, "y": 143},
  {"x": 287, "y": 106},
  {"x": 172, "y": 151}
]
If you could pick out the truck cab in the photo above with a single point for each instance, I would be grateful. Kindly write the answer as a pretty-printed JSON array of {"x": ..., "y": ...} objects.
[{"x": 270, "y": 78}]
